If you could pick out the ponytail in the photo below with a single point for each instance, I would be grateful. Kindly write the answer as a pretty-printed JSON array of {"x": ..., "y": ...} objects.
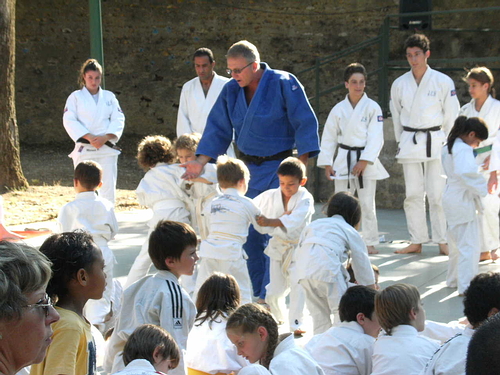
[{"x": 463, "y": 126}]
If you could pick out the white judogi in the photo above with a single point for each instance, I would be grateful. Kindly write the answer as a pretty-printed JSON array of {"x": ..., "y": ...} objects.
[
  {"x": 343, "y": 349},
  {"x": 230, "y": 216},
  {"x": 451, "y": 356},
  {"x": 465, "y": 185},
  {"x": 442, "y": 331},
  {"x": 83, "y": 115},
  {"x": 431, "y": 103},
  {"x": 160, "y": 190},
  {"x": 254, "y": 369},
  {"x": 194, "y": 106},
  {"x": 362, "y": 126},
  {"x": 490, "y": 224},
  {"x": 404, "y": 352},
  {"x": 281, "y": 248},
  {"x": 156, "y": 299},
  {"x": 209, "y": 349},
  {"x": 138, "y": 367},
  {"x": 289, "y": 359},
  {"x": 96, "y": 215},
  {"x": 324, "y": 248}
]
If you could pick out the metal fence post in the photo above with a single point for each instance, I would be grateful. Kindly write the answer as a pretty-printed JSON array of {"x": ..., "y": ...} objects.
[{"x": 96, "y": 48}]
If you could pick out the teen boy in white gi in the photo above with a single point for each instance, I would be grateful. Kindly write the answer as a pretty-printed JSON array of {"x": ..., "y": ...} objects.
[{"x": 424, "y": 107}]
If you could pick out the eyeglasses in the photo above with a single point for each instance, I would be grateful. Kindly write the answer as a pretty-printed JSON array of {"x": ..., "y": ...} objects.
[
  {"x": 45, "y": 303},
  {"x": 238, "y": 71}
]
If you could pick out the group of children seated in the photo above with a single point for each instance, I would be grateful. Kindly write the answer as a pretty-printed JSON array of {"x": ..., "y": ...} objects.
[{"x": 156, "y": 326}]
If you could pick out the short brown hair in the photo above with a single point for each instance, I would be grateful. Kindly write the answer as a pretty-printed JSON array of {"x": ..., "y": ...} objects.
[
  {"x": 230, "y": 171},
  {"x": 292, "y": 167},
  {"x": 394, "y": 304},
  {"x": 188, "y": 141},
  {"x": 419, "y": 41},
  {"x": 154, "y": 149},
  {"x": 168, "y": 240},
  {"x": 352, "y": 69},
  {"x": 145, "y": 339},
  {"x": 89, "y": 174},
  {"x": 483, "y": 75}
]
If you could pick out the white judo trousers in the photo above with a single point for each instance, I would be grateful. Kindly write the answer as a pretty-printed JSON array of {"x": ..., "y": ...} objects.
[
  {"x": 421, "y": 180},
  {"x": 369, "y": 222}
]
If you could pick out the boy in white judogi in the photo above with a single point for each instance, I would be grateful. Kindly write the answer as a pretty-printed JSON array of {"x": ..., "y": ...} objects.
[
  {"x": 291, "y": 208},
  {"x": 230, "y": 216},
  {"x": 355, "y": 126},
  {"x": 424, "y": 107},
  {"x": 401, "y": 350},
  {"x": 348, "y": 347},
  {"x": 159, "y": 299},
  {"x": 96, "y": 215}
]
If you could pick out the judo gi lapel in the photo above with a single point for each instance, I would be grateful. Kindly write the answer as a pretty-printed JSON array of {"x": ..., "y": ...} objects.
[
  {"x": 351, "y": 129},
  {"x": 420, "y": 94},
  {"x": 485, "y": 109},
  {"x": 96, "y": 109}
]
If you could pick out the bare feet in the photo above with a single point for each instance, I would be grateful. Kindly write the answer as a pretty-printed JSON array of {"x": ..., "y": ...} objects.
[
  {"x": 485, "y": 255},
  {"x": 443, "y": 249},
  {"x": 372, "y": 250},
  {"x": 413, "y": 248},
  {"x": 263, "y": 303},
  {"x": 299, "y": 332},
  {"x": 6, "y": 234},
  {"x": 494, "y": 255}
]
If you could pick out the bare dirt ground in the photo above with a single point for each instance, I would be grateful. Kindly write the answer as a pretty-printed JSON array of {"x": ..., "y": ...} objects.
[{"x": 49, "y": 172}]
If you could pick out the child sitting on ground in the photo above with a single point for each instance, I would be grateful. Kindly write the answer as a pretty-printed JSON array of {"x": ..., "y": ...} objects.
[
  {"x": 78, "y": 275},
  {"x": 160, "y": 190},
  {"x": 347, "y": 348},
  {"x": 401, "y": 350},
  {"x": 254, "y": 331},
  {"x": 159, "y": 299},
  {"x": 291, "y": 208},
  {"x": 324, "y": 247},
  {"x": 97, "y": 216},
  {"x": 150, "y": 350},
  {"x": 230, "y": 216},
  {"x": 209, "y": 351}
]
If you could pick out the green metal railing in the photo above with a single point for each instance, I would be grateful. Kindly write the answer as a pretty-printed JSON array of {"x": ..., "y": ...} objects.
[
  {"x": 385, "y": 64},
  {"x": 96, "y": 48}
]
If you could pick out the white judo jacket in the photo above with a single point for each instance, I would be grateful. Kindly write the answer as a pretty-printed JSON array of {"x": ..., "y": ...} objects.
[
  {"x": 156, "y": 299},
  {"x": 344, "y": 349},
  {"x": 325, "y": 246},
  {"x": 194, "y": 106},
  {"x": 464, "y": 184},
  {"x": 299, "y": 213},
  {"x": 431, "y": 103},
  {"x": 290, "y": 359},
  {"x": 362, "y": 126}
]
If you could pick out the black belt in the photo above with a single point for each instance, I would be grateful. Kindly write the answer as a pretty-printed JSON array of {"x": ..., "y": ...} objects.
[
  {"x": 107, "y": 143},
  {"x": 358, "y": 155},
  {"x": 424, "y": 130},
  {"x": 258, "y": 160}
]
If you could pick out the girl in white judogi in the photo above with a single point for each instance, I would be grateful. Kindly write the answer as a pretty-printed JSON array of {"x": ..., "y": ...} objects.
[
  {"x": 94, "y": 121},
  {"x": 484, "y": 105},
  {"x": 465, "y": 187},
  {"x": 324, "y": 248},
  {"x": 160, "y": 190},
  {"x": 255, "y": 333},
  {"x": 208, "y": 350},
  {"x": 355, "y": 127}
]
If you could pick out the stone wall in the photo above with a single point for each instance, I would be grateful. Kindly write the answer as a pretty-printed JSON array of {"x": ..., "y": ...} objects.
[{"x": 148, "y": 47}]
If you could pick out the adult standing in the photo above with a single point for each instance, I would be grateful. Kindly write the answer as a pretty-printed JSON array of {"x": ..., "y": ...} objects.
[
  {"x": 269, "y": 114},
  {"x": 484, "y": 105},
  {"x": 94, "y": 120},
  {"x": 26, "y": 312},
  {"x": 424, "y": 107}
]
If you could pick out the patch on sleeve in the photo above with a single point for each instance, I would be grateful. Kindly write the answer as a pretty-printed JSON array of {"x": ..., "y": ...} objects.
[
  {"x": 294, "y": 87},
  {"x": 65, "y": 109},
  {"x": 120, "y": 110},
  {"x": 380, "y": 118},
  {"x": 453, "y": 92}
]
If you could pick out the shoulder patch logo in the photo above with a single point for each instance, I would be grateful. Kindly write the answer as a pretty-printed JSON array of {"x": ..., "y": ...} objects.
[
  {"x": 453, "y": 92},
  {"x": 294, "y": 87},
  {"x": 380, "y": 118},
  {"x": 177, "y": 324},
  {"x": 65, "y": 109}
]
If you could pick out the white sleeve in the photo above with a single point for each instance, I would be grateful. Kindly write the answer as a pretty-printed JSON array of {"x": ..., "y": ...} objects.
[
  {"x": 117, "y": 120},
  {"x": 183, "y": 123},
  {"x": 329, "y": 140},
  {"x": 442, "y": 331},
  {"x": 66, "y": 220},
  {"x": 374, "y": 136},
  {"x": 363, "y": 271},
  {"x": 296, "y": 219},
  {"x": 467, "y": 170},
  {"x": 495, "y": 155},
  {"x": 73, "y": 126},
  {"x": 395, "y": 106},
  {"x": 451, "y": 107}
]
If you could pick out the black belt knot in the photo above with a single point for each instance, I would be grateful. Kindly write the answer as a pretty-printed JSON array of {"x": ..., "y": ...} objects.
[
  {"x": 358, "y": 155},
  {"x": 107, "y": 143},
  {"x": 424, "y": 130},
  {"x": 258, "y": 160}
]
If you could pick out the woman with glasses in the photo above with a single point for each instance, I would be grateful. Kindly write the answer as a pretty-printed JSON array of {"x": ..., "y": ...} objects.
[{"x": 26, "y": 312}]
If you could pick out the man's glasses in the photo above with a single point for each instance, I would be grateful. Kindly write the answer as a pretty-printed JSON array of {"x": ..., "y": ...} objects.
[
  {"x": 238, "y": 71},
  {"x": 45, "y": 303}
]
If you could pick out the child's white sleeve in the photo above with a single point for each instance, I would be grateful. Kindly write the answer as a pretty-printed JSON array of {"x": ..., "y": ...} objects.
[
  {"x": 361, "y": 265},
  {"x": 299, "y": 215},
  {"x": 329, "y": 140},
  {"x": 466, "y": 168},
  {"x": 374, "y": 136},
  {"x": 66, "y": 221}
]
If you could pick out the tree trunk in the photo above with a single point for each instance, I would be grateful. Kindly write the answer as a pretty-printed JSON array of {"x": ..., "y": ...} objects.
[{"x": 11, "y": 174}]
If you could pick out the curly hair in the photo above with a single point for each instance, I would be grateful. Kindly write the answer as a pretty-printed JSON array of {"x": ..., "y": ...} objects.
[
  {"x": 154, "y": 149},
  {"x": 188, "y": 141},
  {"x": 23, "y": 270},
  {"x": 482, "y": 295},
  {"x": 248, "y": 318}
]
